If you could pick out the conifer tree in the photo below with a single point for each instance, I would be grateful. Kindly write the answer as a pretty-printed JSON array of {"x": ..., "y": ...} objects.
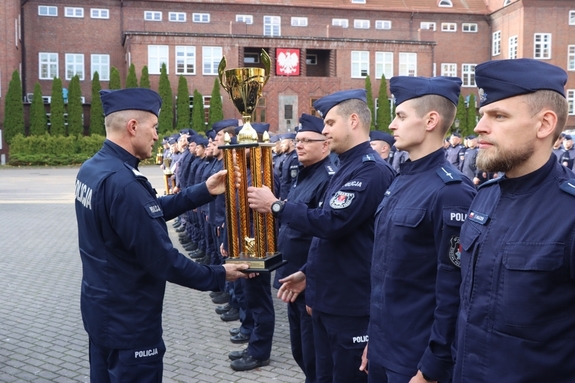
[
  {"x": 13, "y": 109},
  {"x": 471, "y": 114},
  {"x": 132, "y": 79},
  {"x": 461, "y": 116},
  {"x": 75, "y": 118},
  {"x": 370, "y": 103},
  {"x": 115, "y": 82},
  {"x": 57, "y": 109},
  {"x": 166, "y": 119},
  {"x": 183, "y": 104},
  {"x": 383, "y": 111},
  {"x": 198, "y": 114},
  {"x": 145, "y": 78},
  {"x": 216, "y": 112},
  {"x": 96, "y": 109},
  {"x": 38, "y": 120}
]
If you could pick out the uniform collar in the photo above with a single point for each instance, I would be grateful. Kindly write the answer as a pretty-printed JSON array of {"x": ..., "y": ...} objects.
[
  {"x": 357, "y": 150},
  {"x": 121, "y": 153},
  {"x": 531, "y": 181},
  {"x": 430, "y": 161}
]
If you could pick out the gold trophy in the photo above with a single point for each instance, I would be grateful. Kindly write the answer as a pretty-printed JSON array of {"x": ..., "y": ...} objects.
[{"x": 251, "y": 235}]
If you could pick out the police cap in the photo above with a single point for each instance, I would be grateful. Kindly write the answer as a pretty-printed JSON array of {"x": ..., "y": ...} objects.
[
  {"x": 324, "y": 104},
  {"x": 405, "y": 88},
  {"x": 131, "y": 99}
]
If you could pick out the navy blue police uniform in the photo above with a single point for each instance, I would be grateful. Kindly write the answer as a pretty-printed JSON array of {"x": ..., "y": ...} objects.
[
  {"x": 289, "y": 169},
  {"x": 125, "y": 266},
  {"x": 339, "y": 260},
  {"x": 517, "y": 313},
  {"x": 469, "y": 166}
]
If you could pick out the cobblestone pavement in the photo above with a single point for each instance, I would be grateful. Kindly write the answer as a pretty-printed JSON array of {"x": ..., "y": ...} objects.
[{"x": 42, "y": 338}]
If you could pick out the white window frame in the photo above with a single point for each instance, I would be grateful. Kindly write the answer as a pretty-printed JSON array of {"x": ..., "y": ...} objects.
[
  {"x": 247, "y": 19},
  {"x": 408, "y": 64},
  {"x": 445, "y": 3},
  {"x": 47, "y": 10},
  {"x": 383, "y": 64},
  {"x": 177, "y": 17},
  {"x": 185, "y": 55},
  {"x": 361, "y": 24},
  {"x": 272, "y": 26},
  {"x": 211, "y": 57},
  {"x": 343, "y": 23},
  {"x": 570, "y": 101},
  {"x": 469, "y": 27},
  {"x": 571, "y": 17},
  {"x": 359, "y": 64},
  {"x": 449, "y": 69},
  {"x": 468, "y": 75},
  {"x": 200, "y": 17},
  {"x": 570, "y": 57},
  {"x": 358, "y": 1},
  {"x": 448, "y": 27},
  {"x": 383, "y": 24},
  {"x": 513, "y": 48},
  {"x": 74, "y": 65},
  {"x": 429, "y": 25},
  {"x": 158, "y": 54},
  {"x": 496, "y": 43},
  {"x": 311, "y": 59},
  {"x": 299, "y": 21},
  {"x": 100, "y": 63},
  {"x": 49, "y": 61},
  {"x": 153, "y": 15},
  {"x": 76, "y": 12},
  {"x": 99, "y": 13},
  {"x": 542, "y": 43}
]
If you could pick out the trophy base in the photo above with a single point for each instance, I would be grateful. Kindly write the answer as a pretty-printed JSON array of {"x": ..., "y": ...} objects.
[{"x": 260, "y": 265}]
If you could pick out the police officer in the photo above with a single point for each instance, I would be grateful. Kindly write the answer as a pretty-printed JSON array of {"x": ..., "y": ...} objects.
[
  {"x": 568, "y": 156},
  {"x": 289, "y": 167},
  {"x": 558, "y": 147},
  {"x": 415, "y": 271},
  {"x": 382, "y": 143},
  {"x": 454, "y": 152},
  {"x": 399, "y": 157},
  {"x": 127, "y": 256},
  {"x": 517, "y": 310},
  {"x": 336, "y": 275},
  {"x": 469, "y": 167}
]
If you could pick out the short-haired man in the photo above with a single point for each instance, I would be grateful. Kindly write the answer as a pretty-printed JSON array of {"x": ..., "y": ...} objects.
[
  {"x": 382, "y": 143},
  {"x": 517, "y": 310}
]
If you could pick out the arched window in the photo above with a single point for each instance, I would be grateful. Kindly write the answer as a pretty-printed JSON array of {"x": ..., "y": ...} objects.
[{"x": 445, "y": 3}]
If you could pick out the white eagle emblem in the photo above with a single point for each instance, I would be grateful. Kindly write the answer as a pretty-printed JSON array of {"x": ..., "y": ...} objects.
[{"x": 288, "y": 62}]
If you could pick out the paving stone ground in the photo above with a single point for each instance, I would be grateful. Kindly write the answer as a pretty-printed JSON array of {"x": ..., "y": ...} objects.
[{"x": 42, "y": 338}]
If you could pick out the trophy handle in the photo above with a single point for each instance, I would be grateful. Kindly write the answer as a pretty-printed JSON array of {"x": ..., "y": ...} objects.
[
  {"x": 266, "y": 60},
  {"x": 221, "y": 70}
]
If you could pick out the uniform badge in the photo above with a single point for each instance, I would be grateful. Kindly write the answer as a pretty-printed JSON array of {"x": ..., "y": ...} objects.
[
  {"x": 482, "y": 95},
  {"x": 341, "y": 200},
  {"x": 455, "y": 251},
  {"x": 293, "y": 172}
]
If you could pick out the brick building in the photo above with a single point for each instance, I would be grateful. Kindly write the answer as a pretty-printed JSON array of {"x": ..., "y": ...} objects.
[{"x": 326, "y": 45}]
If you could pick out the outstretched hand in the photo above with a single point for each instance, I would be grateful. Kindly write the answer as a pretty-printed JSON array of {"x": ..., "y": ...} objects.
[{"x": 291, "y": 287}]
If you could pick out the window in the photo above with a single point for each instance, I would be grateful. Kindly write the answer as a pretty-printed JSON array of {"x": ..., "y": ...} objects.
[
  {"x": 152, "y": 16},
  {"x": 496, "y": 43},
  {"x": 44, "y": 10},
  {"x": 571, "y": 17},
  {"x": 427, "y": 25},
  {"x": 469, "y": 27},
  {"x": 382, "y": 24},
  {"x": 73, "y": 12},
  {"x": 408, "y": 64},
  {"x": 384, "y": 64},
  {"x": 449, "y": 69},
  {"x": 468, "y": 75},
  {"x": 361, "y": 24},
  {"x": 445, "y": 3},
  {"x": 542, "y": 46},
  {"x": 571, "y": 101},
  {"x": 359, "y": 64},
  {"x": 179, "y": 17},
  {"x": 251, "y": 58},
  {"x": 201, "y": 17},
  {"x": 185, "y": 60},
  {"x": 74, "y": 66},
  {"x": 299, "y": 21},
  {"x": 344, "y": 23},
  {"x": 157, "y": 55},
  {"x": 48, "y": 65},
  {"x": 571, "y": 57},
  {"x": 101, "y": 64},
  {"x": 513, "y": 46},
  {"x": 448, "y": 27},
  {"x": 97, "y": 13},
  {"x": 507, "y": 2},
  {"x": 311, "y": 59},
  {"x": 211, "y": 57},
  {"x": 272, "y": 26},
  {"x": 358, "y": 1},
  {"x": 248, "y": 19}
]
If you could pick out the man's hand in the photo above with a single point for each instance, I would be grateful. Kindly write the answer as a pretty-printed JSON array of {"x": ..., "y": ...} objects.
[
  {"x": 233, "y": 271},
  {"x": 261, "y": 199},
  {"x": 418, "y": 378},
  {"x": 216, "y": 184},
  {"x": 363, "y": 366},
  {"x": 291, "y": 287}
]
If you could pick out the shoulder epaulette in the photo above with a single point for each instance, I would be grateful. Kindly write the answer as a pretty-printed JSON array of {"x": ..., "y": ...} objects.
[
  {"x": 368, "y": 158},
  {"x": 448, "y": 176},
  {"x": 489, "y": 183},
  {"x": 330, "y": 170},
  {"x": 568, "y": 187}
]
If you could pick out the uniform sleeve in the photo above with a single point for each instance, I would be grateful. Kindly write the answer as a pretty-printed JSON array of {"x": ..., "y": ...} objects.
[
  {"x": 138, "y": 220},
  {"x": 344, "y": 210},
  {"x": 452, "y": 206},
  {"x": 190, "y": 198}
]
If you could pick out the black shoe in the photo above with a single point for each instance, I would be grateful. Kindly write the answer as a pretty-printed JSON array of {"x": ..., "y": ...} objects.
[
  {"x": 214, "y": 293},
  {"x": 207, "y": 260},
  {"x": 191, "y": 246},
  {"x": 197, "y": 254},
  {"x": 234, "y": 331},
  {"x": 180, "y": 229},
  {"x": 221, "y": 299},
  {"x": 231, "y": 315},
  {"x": 240, "y": 338},
  {"x": 235, "y": 355},
  {"x": 185, "y": 240},
  {"x": 247, "y": 363},
  {"x": 223, "y": 309}
]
